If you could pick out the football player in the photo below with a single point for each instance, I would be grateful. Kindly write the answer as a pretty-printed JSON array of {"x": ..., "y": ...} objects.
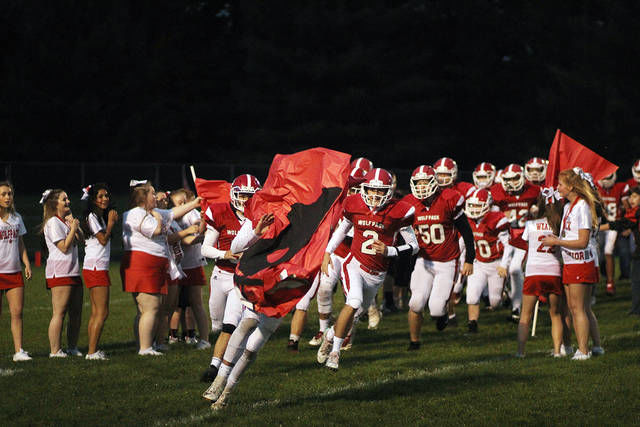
[
  {"x": 491, "y": 235},
  {"x": 613, "y": 195},
  {"x": 439, "y": 216},
  {"x": 535, "y": 170},
  {"x": 224, "y": 220},
  {"x": 375, "y": 219},
  {"x": 362, "y": 163},
  {"x": 447, "y": 175},
  {"x": 514, "y": 197},
  {"x": 484, "y": 175}
]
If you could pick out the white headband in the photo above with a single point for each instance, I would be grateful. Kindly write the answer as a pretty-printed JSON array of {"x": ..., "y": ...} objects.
[
  {"x": 550, "y": 195},
  {"x": 45, "y": 195},
  {"x": 586, "y": 176},
  {"x": 85, "y": 193},
  {"x": 134, "y": 182}
]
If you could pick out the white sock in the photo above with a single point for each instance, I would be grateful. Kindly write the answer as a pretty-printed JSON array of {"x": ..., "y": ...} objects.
[
  {"x": 215, "y": 362},
  {"x": 329, "y": 334},
  {"x": 324, "y": 324},
  {"x": 294, "y": 337},
  {"x": 337, "y": 343},
  {"x": 243, "y": 363},
  {"x": 224, "y": 370}
]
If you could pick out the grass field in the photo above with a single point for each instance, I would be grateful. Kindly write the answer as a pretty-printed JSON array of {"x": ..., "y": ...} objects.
[{"x": 455, "y": 379}]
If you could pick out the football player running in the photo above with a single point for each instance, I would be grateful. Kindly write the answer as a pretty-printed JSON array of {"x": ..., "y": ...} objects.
[
  {"x": 447, "y": 175},
  {"x": 484, "y": 175},
  {"x": 514, "y": 197},
  {"x": 439, "y": 216},
  {"x": 375, "y": 219},
  {"x": 224, "y": 220}
]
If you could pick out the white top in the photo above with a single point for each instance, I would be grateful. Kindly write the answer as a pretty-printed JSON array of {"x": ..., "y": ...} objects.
[
  {"x": 577, "y": 216},
  {"x": 10, "y": 231},
  {"x": 60, "y": 264},
  {"x": 192, "y": 253},
  {"x": 96, "y": 256},
  {"x": 541, "y": 260},
  {"x": 137, "y": 231}
]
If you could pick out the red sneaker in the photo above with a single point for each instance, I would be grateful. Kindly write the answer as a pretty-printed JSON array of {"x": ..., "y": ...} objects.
[{"x": 611, "y": 289}]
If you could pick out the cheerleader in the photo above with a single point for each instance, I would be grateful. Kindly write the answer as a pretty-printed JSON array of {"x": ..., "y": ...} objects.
[
  {"x": 579, "y": 272},
  {"x": 12, "y": 250},
  {"x": 62, "y": 233},
  {"x": 543, "y": 274},
  {"x": 145, "y": 263},
  {"x": 97, "y": 224}
]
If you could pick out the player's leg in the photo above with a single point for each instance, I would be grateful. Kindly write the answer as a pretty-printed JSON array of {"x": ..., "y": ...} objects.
[
  {"x": 299, "y": 318},
  {"x": 220, "y": 286},
  {"x": 420, "y": 285},
  {"x": 516, "y": 276},
  {"x": 475, "y": 285},
  {"x": 609, "y": 246},
  {"x": 443, "y": 281}
]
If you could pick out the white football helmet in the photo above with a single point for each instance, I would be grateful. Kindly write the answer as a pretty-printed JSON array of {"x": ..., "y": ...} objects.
[
  {"x": 478, "y": 203},
  {"x": 608, "y": 181},
  {"x": 535, "y": 170},
  {"x": 512, "y": 178},
  {"x": 423, "y": 182},
  {"x": 446, "y": 171},
  {"x": 484, "y": 174}
]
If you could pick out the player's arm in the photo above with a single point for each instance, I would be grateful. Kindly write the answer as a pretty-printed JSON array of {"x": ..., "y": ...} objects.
[
  {"x": 336, "y": 238},
  {"x": 247, "y": 236},
  {"x": 209, "y": 250},
  {"x": 410, "y": 245},
  {"x": 503, "y": 236},
  {"x": 462, "y": 225}
]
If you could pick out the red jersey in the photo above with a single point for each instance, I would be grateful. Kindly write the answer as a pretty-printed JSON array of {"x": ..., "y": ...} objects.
[
  {"x": 224, "y": 220},
  {"x": 485, "y": 236},
  {"x": 345, "y": 246},
  {"x": 516, "y": 208},
  {"x": 369, "y": 225},
  {"x": 434, "y": 225},
  {"x": 612, "y": 199},
  {"x": 631, "y": 182},
  {"x": 464, "y": 188}
]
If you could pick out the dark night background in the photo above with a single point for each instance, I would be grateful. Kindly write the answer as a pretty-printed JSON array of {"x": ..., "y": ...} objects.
[{"x": 238, "y": 81}]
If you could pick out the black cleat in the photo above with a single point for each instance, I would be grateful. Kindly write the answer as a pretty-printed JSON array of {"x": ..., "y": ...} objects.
[
  {"x": 442, "y": 322},
  {"x": 292, "y": 346},
  {"x": 209, "y": 375},
  {"x": 413, "y": 345},
  {"x": 453, "y": 321},
  {"x": 515, "y": 315},
  {"x": 473, "y": 326}
]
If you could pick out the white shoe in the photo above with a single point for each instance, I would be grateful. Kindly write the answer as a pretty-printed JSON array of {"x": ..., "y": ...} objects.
[
  {"x": 558, "y": 355},
  {"x": 160, "y": 347},
  {"x": 333, "y": 360},
  {"x": 60, "y": 353},
  {"x": 191, "y": 340},
  {"x": 347, "y": 343},
  {"x": 21, "y": 356},
  {"x": 203, "y": 345},
  {"x": 597, "y": 351},
  {"x": 324, "y": 349},
  {"x": 221, "y": 402},
  {"x": 74, "y": 352},
  {"x": 565, "y": 350},
  {"x": 98, "y": 355},
  {"x": 150, "y": 352},
  {"x": 173, "y": 340},
  {"x": 374, "y": 317},
  {"x": 581, "y": 356},
  {"x": 317, "y": 339},
  {"x": 215, "y": 389}
]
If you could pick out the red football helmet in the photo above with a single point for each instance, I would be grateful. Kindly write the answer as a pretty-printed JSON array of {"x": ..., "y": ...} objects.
[
  {"x": 423, "y": 182},
  {"x": 512, "y": 178},
  {"x": 608, "y": 181},
  {"x": 363, "y": 163},
  {"x": 245, "y": 185},
  {"x": 635, "y": 170},
  {"x": 484, "y": 174},
  {"x": 498, "y": 179},
  {"x": 446, "y": 171},
  {"x": 379, "y": 182},
  {"x": 478, "y": 203},
  {"x": 535, "y": 170},
  {"x": 356, "y": 177}
]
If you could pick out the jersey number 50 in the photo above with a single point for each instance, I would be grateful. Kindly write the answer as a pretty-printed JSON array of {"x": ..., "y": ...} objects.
[{"x": 433, "y": 233}]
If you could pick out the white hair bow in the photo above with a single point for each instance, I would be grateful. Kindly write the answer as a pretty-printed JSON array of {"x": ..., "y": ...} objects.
[
  {"x": 85, "y": 193},
  {"x": 134, "y": 182},
  {"x": 45, "y": 195},
  {"x": 585, "y": 176},
  {"x": 550, "y": 195}
]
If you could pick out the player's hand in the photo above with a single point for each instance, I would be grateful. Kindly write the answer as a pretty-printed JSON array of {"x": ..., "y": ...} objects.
[
  {"x": 27, "y": 272},
  {"x": 264, "y": 223},
  {"x": 502, "y": 272},
  {"x": 467, "y": 269},
  {"x": 550, "y": 241},
  {"x": 326, "y": 262},
  {"x": 112, "y": 217},
  {"x": 230, "y": 255},
  {"x": 379, "y": 247}
]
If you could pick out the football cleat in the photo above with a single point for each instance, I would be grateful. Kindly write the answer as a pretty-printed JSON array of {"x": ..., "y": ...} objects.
[
  {"x": 221, "y": 402},
  {"x": 413, "y": 345},
  {"x": 316, "y": 340},
  {"x": 374, "y": 317},
  {"x": 453, "y": 321},
  {"x": 515, "y": 315},
  {"x": 203, "y": 345},
  {"x": 473, "y": 326},
  {"x": 292, "y": 346},
  {"x": 346, "y": 344},
  {"x": 209, "y": 374},
  {"x": 578, "y": 355},
  {"x": 215, "y": 389},
  {"x": 324, "y": 350},
  {"x": 597, "y": 351},
  {"x": 333, "y": 361},
  {"x": 21, "y": 356},
  {"x": 442, "y": 322}
]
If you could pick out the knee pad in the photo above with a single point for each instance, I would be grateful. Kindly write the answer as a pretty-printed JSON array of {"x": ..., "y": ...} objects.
[
  {"x": 416, "y": 303},
  {"x": 216, "y": 326},
  {"x": 247, "y": 325},
  {"x": 228, "y": 328},
  {"x": 250, "y": 355}
]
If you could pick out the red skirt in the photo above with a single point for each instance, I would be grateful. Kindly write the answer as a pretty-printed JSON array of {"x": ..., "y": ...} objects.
[
  {"x": 11, "y": 280},
  {"x": 195, "y": 277},
  {"x": 64, "y": 281},
  {"x": 93, "y": 278},
  {"x": 143, "y": 272},
  {"x": 580, "y": 273},
  {"x": 542, "y": 285}
]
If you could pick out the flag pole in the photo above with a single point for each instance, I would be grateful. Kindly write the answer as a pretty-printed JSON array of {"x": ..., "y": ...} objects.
[
  {"x": 535, "y": 319},
  {"x": 193, "y": 173}
]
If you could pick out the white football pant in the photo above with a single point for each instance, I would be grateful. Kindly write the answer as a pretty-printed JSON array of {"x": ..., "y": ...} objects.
[{"x": 432, "y": 281}]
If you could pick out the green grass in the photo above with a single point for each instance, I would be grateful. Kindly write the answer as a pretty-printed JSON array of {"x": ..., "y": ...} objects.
[{"x": 454, "y": 379}]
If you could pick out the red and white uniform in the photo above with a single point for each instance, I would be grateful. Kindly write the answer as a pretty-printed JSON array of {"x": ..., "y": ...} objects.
[
  {"x": 192, "y": 260},
  {"x": 579, "y": 264},
  {"x": 544, "y": 269},
  {"x": 490, "y": 235},
  {"x": 145, "y": 263},
  {"x": 612, "y": 199},
  {"x": 328, "y": 282},
  {"x": 95, "y": 269},
  {"x": 62, "y": 269},
  {"x": 363, "y": 270},
  {"x": 10, "y": 268},
  {"x": 464, "y": 188},
  {"x": 223, "y": 224},
  {"x": 436, "y": 266}
]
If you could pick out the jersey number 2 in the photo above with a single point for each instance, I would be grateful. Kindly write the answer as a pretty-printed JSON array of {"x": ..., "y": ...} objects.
[
  {"x": 367, "y": 245},
  {"x": 545, "y": 249}
]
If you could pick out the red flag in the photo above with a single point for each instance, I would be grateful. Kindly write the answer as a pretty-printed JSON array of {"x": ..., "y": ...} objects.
[
  {"x": 567, "y": 153},
  {"x": 212, "y": 192},
  {"x": 304, "y": 191}
]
